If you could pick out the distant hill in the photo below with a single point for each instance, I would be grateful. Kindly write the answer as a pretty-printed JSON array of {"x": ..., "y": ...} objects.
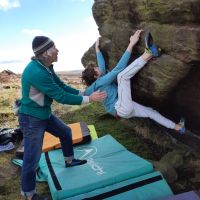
[
  {"x": 8, "y": 72},
  {"x": 74, "y": 76},
  {"x": 7, "y": 76},
  {"x": 70, "y": 73}
]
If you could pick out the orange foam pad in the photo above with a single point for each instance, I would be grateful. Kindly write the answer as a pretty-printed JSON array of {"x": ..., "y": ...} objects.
[{"x": 51, "y": 142}]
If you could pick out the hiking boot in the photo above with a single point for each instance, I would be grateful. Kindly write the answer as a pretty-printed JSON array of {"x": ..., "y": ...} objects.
[
  {"x": 151, "y": 47},
  {"x": 182, "y": 124},
  {"x": 75, "y": 162},
  {"x": 37, "y": 197}
]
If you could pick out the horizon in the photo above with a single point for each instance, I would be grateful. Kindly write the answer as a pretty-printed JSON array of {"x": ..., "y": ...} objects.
[
  {"x": 57, "y": 72},
  {"x": 69, "y": 23}
]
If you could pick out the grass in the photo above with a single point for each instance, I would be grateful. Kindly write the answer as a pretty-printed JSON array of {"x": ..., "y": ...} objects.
[
  {"x": 92, "y": 114},
  {"x": 122, "y": 131},
  {"x": 133, "y": 134}
]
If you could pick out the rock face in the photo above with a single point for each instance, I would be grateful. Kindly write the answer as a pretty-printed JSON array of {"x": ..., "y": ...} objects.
[{"x": 171, "y": 82}]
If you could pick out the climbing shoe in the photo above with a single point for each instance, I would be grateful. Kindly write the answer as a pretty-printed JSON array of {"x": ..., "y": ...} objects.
[
  {"x": 75, "y": 162},
  {"x": 151, "y": 47},
  {"x": 182, "y": 124}
]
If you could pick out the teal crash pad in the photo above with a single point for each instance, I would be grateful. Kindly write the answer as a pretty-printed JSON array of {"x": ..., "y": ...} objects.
[
  {"x": 108, "y": 163},
  {"x": 148, "y": 187}
]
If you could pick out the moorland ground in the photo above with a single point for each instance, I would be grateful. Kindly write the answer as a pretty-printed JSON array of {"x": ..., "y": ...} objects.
[{"x": 125, "y": 131}]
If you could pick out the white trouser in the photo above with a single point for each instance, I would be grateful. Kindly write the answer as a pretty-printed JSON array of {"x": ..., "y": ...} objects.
[{"x": 128, "y": 108}]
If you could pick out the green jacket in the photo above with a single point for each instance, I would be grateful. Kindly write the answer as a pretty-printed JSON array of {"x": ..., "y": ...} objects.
[{"x": 40, "y": 85}]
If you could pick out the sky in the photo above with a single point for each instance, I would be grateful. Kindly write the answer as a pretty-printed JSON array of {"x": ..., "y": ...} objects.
[{"x": 69, "y": 23}]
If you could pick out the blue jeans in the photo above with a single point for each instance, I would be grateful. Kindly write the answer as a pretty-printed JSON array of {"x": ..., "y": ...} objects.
[{"x": 33, "y": 132}]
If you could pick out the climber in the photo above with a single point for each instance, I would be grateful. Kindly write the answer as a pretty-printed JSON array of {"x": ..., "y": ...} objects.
[{"x": 119, "y": 100}]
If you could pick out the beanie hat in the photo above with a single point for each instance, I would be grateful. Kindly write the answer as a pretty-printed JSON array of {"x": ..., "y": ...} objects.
[{"x": 40, "y": 44}]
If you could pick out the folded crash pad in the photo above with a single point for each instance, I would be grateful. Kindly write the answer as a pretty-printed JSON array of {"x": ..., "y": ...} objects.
[{"x": 80, "y": 135}]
